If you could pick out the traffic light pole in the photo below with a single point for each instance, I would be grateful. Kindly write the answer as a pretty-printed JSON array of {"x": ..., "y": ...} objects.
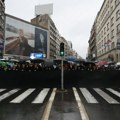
[
  {"x": 62, "y": 68},
  {"x": 62, "y": 74}
]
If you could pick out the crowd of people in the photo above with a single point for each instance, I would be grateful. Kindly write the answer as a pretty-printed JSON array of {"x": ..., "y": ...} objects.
[{"x": 32, "y": 67}]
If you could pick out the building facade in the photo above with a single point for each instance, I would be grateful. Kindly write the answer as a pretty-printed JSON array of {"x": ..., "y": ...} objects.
[
  {"x": 108, "y": 31},
  {"x": 54, "y": 37},
  {"x": 58, "y": 41},
  {"x": 46, "y": 22},
  {"x": 2, "y": 27},
  {"x": 92, "y": 44}
]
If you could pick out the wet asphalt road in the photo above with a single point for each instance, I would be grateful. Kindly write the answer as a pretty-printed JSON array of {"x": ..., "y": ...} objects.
[
  {"x": 64, "y": 106},
  {"x": 102, "y": 110}
]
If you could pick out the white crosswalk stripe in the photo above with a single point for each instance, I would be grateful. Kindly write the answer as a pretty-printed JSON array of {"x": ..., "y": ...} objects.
[
  {"x": 88, "y": 96},
  {"x": 41, "y": 96},
  {"x": 1, "y": 90},
  {"x": 114, "y": 92},
  {"x": 2, "y": 97},
  {"x": 21, "y": 97},
  {"x": 105, "y": 96},
  {"x": 18, "y": 99}
]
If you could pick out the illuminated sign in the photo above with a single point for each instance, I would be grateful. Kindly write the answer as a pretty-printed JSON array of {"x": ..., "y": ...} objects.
[{"x": 36, "y": 55}]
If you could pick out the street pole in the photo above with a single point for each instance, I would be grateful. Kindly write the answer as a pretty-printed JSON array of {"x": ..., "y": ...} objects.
[{"x": 62, "y": 74}]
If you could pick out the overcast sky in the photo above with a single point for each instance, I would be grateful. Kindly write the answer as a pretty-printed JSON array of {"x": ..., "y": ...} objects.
[{"x": 73, "y": 18}]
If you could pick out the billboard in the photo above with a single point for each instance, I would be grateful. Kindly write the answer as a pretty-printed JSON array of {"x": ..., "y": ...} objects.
[
  {"x": 23, "y": 38},
  {"x": 44, "y": 9},
  {"x": 1, "y": 39},
  {"x": 1, "y": 43}
]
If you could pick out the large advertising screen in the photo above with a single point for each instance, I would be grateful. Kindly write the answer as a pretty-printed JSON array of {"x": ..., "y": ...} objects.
[
  {"x": 1, "y": 43},
  {"x": 22, "y": 38}
]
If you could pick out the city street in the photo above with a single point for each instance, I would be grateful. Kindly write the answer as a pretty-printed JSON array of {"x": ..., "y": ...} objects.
[
  {"x": 59, "y": 68},
  {"x": 55, "y": 104}
]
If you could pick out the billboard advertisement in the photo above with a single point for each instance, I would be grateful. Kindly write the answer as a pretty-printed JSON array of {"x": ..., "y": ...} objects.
[
  {"x": 44, "y": 9},
  {"x": 1, "y": 43},
  {"x": 1, "y": 39},
  {"x": 23, "y": 38}
]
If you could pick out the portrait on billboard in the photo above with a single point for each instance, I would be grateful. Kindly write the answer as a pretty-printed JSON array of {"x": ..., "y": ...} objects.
[
  {"x": 23, "y": 38},
  {"x": 23, "y": 48},
  {"x": 1, "y": 43},
  {"x": 40, "y": 41},
  {"x": 1, "y": 38},
  {"x": 19, "y": 37}
]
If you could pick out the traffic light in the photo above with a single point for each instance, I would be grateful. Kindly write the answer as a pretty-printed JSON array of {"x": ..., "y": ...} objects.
[{"x": 61, "y": 49}]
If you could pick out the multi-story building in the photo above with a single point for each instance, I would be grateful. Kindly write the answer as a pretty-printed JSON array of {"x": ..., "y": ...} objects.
[
  {"x": 108, "y": 31},
  {"x": 2, "y": 26},
  {"x": 54, "y": 37},
  {"x": 92, "y": 44},
  {"x": 58, "y": 41},
  {"x": 88, "y": 53},
  {"x": 70, "y": 44},
  {"x": 70, "y": 53},
  {"x": 46, "y": 22}
]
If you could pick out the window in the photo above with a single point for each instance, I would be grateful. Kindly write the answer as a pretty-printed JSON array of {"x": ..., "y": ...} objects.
[
  {"x": 118, "y": 14},
  {"x": 108, "y": 14},
  {"x": 112, "y": 21},
  {"x": 102, "y": 43},
  {"x": 104, "y": 50},
  {"x": 111, "y": 8},
  {"x": 104, "y": 30},
  {"x": 112, "y": 45},
  {"x": 118, "y": 28},
  {"x": 112, "y": 34},
  {"x": 107, "y": 36},
  {"x": 108, "y": 4},
  {"x": 108, "y": 26},
  {"x": 117, "y": 2}
]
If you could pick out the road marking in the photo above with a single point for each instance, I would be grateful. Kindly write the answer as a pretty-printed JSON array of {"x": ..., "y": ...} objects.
[
  {"x": 1, "y": 90},
  {"x": 105, "y": 96},
  {"x": 21, "y": 97},
  {"x": 88, "y": 96},
  {"x": 114, "y": 92},
  {"x": 82, "y": 110},
  {"x": 8, "y": 94},
  {"x": 49, "y": 105},
  {"x": 41, "y": 96}
]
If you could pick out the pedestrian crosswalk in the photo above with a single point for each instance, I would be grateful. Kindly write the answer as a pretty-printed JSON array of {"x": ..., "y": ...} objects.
[
  {"x": 2, "y": 90},
  {"x": 88, "y": 95},
  {"x": 105, "y": 96},
  {"x": 2, "y": 97},
  {"x": 21, "y": 97},
  {"x": 41, "y": 96},
  {"x": 109, "y": 98},
  {"x": 24, "y": 95}
]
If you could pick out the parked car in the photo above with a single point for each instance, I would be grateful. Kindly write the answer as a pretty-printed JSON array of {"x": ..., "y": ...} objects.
[
  {"x": 117, "y": 65},
  {"x": 108, "y": 66},
  {"x": 101, "y": 63}
]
